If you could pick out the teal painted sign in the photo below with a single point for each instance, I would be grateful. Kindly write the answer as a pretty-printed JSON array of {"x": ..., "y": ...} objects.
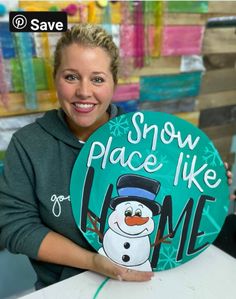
[{"x": 149, "y": 191}]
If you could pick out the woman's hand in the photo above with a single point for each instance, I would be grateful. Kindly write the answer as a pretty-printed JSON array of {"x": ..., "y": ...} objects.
[
  {"x": 230, "y": 180},
  {"x": 58, "y": 249},
  {"x": 104, "y": 266}
]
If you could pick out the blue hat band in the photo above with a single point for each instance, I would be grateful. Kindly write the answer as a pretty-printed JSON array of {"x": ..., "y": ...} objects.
[{"x": 138, "y": 192}]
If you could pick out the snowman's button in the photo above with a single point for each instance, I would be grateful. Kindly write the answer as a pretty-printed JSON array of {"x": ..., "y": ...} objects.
[
  {"x": 125, "y": 258},
  {"x": 127, "y": 245}
]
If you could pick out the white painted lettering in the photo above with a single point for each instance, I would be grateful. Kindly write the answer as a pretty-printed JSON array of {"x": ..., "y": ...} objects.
[
  {"x": 139, "y": 135},
  {"x": 210, "y": 174}
]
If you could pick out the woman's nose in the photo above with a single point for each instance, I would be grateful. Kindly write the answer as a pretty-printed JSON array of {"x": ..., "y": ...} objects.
[{"x": 83, "y": 89}]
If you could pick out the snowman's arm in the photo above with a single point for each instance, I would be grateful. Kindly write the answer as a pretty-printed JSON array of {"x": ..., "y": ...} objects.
[
  {"x": 94, "y": 224},
  {"x": 161, "y": 240}
]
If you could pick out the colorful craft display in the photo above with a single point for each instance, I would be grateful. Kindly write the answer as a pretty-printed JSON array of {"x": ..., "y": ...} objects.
[
  {"x": 164, "y": 192},
  {"x": 138, "y": 29}
]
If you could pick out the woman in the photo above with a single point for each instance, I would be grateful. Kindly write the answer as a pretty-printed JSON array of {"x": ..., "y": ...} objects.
[{"x": 35, "y": 212}]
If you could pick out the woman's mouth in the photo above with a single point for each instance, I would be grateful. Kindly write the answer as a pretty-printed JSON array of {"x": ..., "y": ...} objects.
[{"x": 83, "y": 107}]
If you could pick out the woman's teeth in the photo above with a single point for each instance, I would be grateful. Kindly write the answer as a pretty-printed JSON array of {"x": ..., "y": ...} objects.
[{"x": 78, "y": 105}]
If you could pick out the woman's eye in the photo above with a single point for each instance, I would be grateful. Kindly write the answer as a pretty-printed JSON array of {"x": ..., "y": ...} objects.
[
  {"x": 128, "y": 212},
  {"x": 138, "y": 212},
  {"x": 98, "y": 80},
  {"x": 70, "y": 77}
]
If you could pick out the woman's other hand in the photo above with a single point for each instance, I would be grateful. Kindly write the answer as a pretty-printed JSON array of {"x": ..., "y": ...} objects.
[{"x": 104, "y": 266}]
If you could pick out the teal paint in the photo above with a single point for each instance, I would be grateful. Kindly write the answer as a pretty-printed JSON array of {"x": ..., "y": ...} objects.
[
  {"x": 170, "y": 87},
  {"x": 100, "y": 288}
]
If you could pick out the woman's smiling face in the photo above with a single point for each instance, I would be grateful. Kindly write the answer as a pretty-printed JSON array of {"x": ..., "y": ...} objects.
[{"x": 85, "y": 87}]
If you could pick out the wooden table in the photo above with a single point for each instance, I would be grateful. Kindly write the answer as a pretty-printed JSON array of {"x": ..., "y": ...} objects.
[{"x": 211, "y": 275}]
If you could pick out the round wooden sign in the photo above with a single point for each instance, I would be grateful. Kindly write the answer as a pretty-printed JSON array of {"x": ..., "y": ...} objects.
[{"x": 149, "y": 191}]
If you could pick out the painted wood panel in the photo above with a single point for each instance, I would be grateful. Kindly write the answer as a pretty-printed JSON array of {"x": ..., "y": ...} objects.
[
  {"x": 128, "y": 80},
  {"x": 127, "y": 40},
  {"x": 192, "y": 117},
  {"x": 182, "y": 40},
  {"x": 126, "y": 92},
  {"x": 219, "y": 40},
  {"x": 185, "y": 19},
  {"x": 188, "y": 6},
  {"x": 170, "y": 87},
  {"x": 218, "y": 99},
  {"x": 39, "y": 73},
  {"x": 219, "y": 61},
  {"x": 215, "y": 132},
  {"x": 218, "y": 81},
  {"x": 222, "y": 7},
  {"x": 17, "y": 107},
  {"x": 6, "y": 40},
  {"x": 132, "y": 44},
  {"x": 128, "y": 106},
  {"x": 217, "y": 116},
  {"x": 169, "y": 106},
  {"x": 161, "y": 65}
]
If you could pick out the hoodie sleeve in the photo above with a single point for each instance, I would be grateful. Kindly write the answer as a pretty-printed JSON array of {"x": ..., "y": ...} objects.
[{"x": 21, "y": 229}]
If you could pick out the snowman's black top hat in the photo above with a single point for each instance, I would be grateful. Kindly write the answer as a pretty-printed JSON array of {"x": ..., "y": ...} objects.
[{"x": 131, "y": 187}]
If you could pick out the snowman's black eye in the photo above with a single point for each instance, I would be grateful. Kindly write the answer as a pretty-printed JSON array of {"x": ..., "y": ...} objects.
[
  {"x": 138, "y": 212},
  {"x": 128, "y": 211}
]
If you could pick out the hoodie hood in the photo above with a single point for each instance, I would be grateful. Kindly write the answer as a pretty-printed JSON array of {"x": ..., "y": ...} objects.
[{"x": 53, "y": 122}]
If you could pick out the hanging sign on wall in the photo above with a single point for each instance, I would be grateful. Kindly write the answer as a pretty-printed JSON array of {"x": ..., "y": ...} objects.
[{"x": 149, "y": 191}]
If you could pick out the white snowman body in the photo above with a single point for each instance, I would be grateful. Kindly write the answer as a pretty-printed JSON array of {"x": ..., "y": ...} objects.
[
  {"x": 126, "y": 241},
  {"x": 131, "y": 253}
]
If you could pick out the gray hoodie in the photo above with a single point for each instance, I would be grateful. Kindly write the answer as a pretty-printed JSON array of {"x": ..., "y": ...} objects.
[{"x": 34, "y": 191}]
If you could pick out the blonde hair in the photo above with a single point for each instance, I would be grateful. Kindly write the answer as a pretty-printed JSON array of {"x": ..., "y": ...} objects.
[{"x": 92, "y": 36}]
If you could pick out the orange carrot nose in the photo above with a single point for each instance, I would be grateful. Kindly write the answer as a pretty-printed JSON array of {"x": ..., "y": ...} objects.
[{"x": 136, "y": 220}]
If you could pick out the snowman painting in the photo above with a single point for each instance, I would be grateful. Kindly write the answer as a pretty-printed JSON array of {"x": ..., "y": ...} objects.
[{"x": 126, "y": 241}]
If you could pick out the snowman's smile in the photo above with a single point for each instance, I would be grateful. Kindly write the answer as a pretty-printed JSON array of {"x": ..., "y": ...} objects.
[{"x": 136, "y": 234}]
